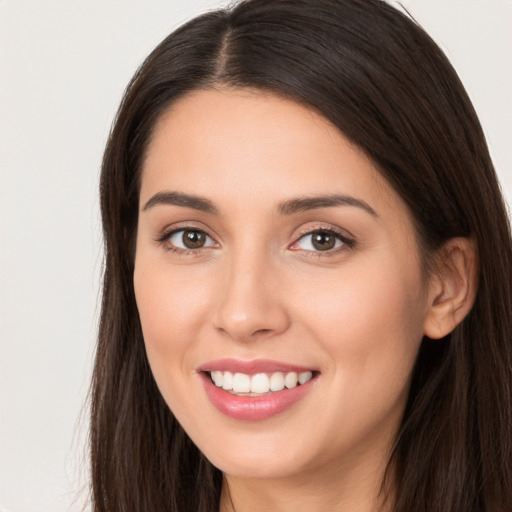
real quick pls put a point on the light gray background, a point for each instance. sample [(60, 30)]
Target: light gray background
[(63, 67)]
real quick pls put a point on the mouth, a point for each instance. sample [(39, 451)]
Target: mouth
[(255, 390), (259, 384)]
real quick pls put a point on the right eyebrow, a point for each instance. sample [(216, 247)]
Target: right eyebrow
[(179, 199)]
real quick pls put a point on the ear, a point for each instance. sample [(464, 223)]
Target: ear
[(452, 287)]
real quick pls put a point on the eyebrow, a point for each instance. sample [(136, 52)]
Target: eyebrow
[(289, 207), (302, 204), (179, 199)]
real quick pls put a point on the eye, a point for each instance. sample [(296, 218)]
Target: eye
[(321, 240), (188, 239)]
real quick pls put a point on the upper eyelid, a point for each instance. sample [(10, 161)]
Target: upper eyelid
[(326, 227), (165, 236), (348, 240), (345, 239), (169, 230), (166, 240)]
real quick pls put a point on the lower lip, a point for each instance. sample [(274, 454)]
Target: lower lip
[(253, 408)]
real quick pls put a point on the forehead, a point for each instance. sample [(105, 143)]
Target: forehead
[(255, 148)]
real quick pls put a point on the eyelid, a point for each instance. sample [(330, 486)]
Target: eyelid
[(347, 239), (164, 236), (176, 232)]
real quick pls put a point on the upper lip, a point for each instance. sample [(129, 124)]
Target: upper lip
[(252, 366)]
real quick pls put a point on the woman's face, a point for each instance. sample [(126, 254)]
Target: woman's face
[(272, 253)]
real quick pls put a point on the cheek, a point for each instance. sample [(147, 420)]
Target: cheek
[(369, 318), (369, 322), (169, 297), (170, 307), (171, 304)]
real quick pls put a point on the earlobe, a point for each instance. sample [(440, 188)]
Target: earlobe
[(453, 286)]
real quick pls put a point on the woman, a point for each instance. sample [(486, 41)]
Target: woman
[(307, 290)]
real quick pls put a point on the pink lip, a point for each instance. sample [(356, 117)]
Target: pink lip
[(253, 408), (251, 367)]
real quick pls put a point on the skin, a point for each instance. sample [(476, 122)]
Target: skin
[(258, 289)]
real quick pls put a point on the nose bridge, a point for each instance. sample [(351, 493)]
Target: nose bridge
[(248, 306)]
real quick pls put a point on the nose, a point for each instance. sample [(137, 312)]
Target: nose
[(251, 305)]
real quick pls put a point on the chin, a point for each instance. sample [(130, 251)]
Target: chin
[(254, 467), (263, 459)]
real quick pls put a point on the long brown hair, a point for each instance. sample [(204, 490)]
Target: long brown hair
[(383, 82)]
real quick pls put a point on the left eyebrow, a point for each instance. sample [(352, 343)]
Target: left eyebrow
[(302, 204)]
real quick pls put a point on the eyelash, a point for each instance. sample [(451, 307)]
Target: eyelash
[(347, 243), (164, 238)]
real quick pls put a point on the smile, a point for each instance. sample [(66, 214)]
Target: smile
[(255, 390), (260, 383)]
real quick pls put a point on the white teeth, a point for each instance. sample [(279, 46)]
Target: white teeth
[(241, 383), (227, 380), (217, 378), (290, 381), (260, 383), (277, 381), (304, 377)]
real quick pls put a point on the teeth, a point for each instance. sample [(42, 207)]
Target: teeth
[(241, 383), (260, 383), (277, 381), (227, 380), (217, 378), (304, 377), (290, 381)]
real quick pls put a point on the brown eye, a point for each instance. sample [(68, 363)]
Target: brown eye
[(189, 239), (193, 239), (323, 241)]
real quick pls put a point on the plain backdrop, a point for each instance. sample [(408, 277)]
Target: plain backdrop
[(63, 67)]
